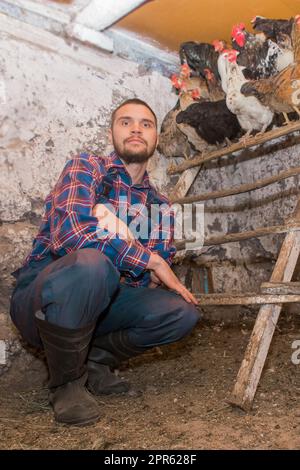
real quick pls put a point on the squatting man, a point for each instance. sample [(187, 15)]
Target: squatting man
[(91, 296)]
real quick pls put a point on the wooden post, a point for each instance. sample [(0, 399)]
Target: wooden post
[(259, 343)]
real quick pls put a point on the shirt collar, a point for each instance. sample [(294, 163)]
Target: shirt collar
[(114, 161)]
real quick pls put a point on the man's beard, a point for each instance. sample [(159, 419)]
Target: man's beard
[(132, 156)]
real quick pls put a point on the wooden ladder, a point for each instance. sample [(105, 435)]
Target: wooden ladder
[(261, 337)]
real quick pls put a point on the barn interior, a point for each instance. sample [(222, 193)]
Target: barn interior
[(64, 66)]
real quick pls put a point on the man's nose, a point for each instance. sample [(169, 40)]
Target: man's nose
[(136, 128)]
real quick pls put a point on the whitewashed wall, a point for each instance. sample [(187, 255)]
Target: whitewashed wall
[(56, 100)]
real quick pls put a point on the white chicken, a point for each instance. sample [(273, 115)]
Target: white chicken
[(251, 114)]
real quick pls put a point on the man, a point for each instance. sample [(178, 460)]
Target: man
[(85, 293)]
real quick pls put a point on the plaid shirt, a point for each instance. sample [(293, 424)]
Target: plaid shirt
[(68, 223)]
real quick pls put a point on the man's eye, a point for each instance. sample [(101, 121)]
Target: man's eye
[(125, 123), (147, 124)]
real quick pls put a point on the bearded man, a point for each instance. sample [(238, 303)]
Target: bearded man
[(94, 290)]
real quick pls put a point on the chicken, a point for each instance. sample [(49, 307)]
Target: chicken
[(195, 88), (212, 121), (177, 140), (280, 93), (261, 57), (276, 30), (199, 56), (295, 35), (279, 31), (214, 86), (251, 114), (172, 142), (190, 88)]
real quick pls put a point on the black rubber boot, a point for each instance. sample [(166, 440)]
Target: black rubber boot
[(105, 355), (66, 352)]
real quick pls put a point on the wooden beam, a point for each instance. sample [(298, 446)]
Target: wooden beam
[(240, 145), (259, 232), (181, 188), (259, 343), (244, 188), (239, 236), (101, 15), (184, 183), (245, 299), (280, 288)]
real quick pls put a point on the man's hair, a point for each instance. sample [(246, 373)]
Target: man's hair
[(132, 101)]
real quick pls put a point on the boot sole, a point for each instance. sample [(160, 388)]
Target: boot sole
[(109, 391), (82, 423)]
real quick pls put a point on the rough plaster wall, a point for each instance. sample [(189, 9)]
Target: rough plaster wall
[(239, 267), (55, 107)]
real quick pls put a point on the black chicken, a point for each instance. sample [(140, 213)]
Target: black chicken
[(273, 29), (212, 121), (199, 57)]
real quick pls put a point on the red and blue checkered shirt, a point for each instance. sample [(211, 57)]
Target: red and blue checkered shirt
[(68, 223)]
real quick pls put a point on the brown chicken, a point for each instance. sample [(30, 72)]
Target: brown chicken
[(280, 93), (193, 89), (214, 86), (172, 142), (296, 38)]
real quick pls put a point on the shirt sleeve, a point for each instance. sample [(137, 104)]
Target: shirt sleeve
[(72, 225), (161, 239)]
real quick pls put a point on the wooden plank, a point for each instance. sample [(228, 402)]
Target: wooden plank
[(245, 299), (280, 288), (240, 145), (261, 337)]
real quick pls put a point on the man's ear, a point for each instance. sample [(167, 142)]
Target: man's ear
[(109, 135)]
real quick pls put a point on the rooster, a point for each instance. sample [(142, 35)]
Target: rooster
[(261, 57)]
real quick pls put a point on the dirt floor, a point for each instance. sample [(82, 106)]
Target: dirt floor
[(179, 400)]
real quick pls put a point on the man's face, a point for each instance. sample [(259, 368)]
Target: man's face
[(134, 133)]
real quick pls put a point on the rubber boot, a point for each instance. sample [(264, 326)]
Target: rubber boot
[(66, 352), (105, 355)]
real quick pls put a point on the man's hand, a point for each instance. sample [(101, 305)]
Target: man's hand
[(155, 282), (164, 273), (111, 222)]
